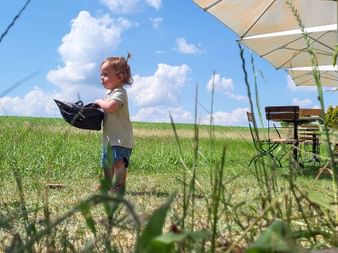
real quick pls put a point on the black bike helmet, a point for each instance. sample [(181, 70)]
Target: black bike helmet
[(88, 116)]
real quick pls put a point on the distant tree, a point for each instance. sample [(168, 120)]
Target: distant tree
[(332, 117)]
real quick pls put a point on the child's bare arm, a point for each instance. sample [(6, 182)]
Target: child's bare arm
[(108, 106)]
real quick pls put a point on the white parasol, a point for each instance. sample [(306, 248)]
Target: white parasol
[(304, 76), (288, 49), (270, 28)]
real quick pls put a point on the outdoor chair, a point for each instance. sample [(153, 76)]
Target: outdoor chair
[(309, 132), (309, 136), (288, 117), (264, 147)]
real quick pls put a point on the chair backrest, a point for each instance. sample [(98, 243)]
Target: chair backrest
[(250, 117), (252, 127), (282, 113), (307, 130), (309, 112)]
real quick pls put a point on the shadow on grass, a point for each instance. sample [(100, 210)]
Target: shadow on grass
[(312, 170), (157, 194)]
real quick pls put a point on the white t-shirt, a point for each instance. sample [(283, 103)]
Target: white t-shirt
[(117, 127)]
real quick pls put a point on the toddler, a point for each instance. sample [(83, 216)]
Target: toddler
[(117, 128)]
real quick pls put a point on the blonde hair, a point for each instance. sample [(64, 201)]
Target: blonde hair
[(121, 67)]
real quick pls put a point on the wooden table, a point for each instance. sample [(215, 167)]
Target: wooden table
[(296, 116)]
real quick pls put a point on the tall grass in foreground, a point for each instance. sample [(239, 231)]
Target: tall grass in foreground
[(202, 216), (290, 199), (328, 145), (37, 152), (279, 216)]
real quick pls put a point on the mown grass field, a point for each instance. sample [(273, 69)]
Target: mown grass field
[(37, 152)]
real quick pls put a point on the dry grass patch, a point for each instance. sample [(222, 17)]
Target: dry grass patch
[(189, 133)]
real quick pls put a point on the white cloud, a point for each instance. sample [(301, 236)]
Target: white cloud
[(184, 47), (223, 85), (293, 87), (162, 88), (122, 6), (88, 42), (34, 103), (238, 97), (40, 103), (156, 22), (235, 117), (161, 114), (301, 102), (154, 3), (91, 39), (130, 6)]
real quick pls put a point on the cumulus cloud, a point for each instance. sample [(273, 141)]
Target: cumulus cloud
[(162, 88), (91, 39), (156, 22), (34, 103), (301, 102), (186, 48), (154, 3), (235, 117), (82, 49), (40, 103), (122, 6), (130, 6), (161, 114), (88, 42), (223, 85)]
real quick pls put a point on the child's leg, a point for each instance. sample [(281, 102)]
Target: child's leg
[(121, 157), (120, 172), (108, 171), (108, 175)]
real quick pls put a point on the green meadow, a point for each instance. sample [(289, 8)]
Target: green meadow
[(200, 173)]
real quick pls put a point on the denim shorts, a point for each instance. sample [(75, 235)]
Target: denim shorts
[(118, 153)]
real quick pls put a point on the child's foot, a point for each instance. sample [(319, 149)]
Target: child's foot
[(97, 187), (119, 188)]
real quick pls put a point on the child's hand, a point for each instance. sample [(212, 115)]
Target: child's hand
[(108, 106), (98, 102)]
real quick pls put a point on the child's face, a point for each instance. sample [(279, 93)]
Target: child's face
[(109, 78)]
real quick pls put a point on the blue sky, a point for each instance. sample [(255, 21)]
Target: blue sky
[(175, 47)]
